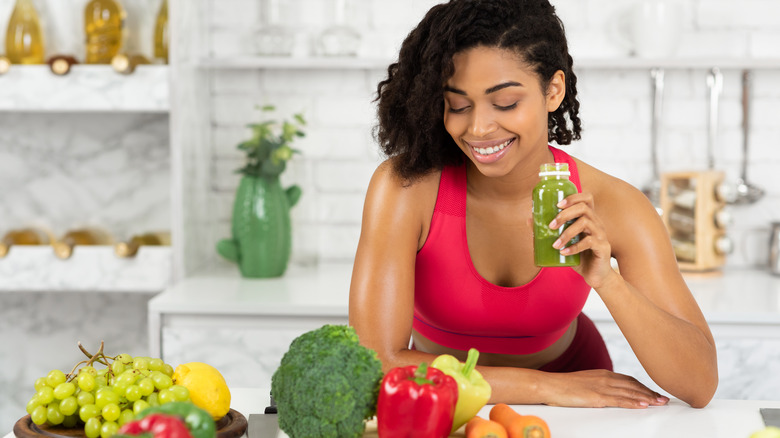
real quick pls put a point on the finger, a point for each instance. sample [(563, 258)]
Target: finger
[(585, 198)]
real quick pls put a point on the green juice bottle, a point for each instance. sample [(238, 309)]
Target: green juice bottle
[(553, 186)]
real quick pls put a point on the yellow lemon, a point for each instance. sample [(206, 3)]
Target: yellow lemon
[(208, 389)]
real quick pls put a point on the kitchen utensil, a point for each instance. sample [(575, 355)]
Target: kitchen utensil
[(771, 416), (653, 189), (774, 249), (747, 193), (263, 426), (715, 85)]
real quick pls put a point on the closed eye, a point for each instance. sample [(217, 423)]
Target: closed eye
[(458, 110), (506, 108)]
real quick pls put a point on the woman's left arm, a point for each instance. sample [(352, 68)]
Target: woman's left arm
[(648, 299)]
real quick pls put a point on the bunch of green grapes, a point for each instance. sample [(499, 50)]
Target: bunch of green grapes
[(102, 400)]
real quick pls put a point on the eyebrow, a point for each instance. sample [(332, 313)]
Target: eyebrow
[(492, 89)]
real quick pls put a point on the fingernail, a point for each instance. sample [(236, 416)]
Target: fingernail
[(561, 204), (565, 251), (644, 404), (557, 243), (554, 224), (662, 399)]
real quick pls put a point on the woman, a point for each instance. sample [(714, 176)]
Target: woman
[(445, 257)]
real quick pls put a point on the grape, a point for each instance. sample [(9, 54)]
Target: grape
[(64, 390), (126, 416), (117, 368), (105, 396), (146, 385), (109, 429), (40, 383), (140, 363), (32, 404), (180, 393), (85, 398), (166, 396), (168, 370), (161, 381), (88, 411), (133, 393), (127, 378), (55, 377), (111, 412), (54, 415), (87, 369), (70, 421), (69, 406), (139, 406), (153, 399), (92, 427), (39, 414), (86, 381), (45, 395), (124, 358), (156, 364)]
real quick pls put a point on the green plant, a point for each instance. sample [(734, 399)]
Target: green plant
[(327, 384), (269, 148)]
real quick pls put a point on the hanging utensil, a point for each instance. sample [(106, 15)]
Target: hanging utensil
[(653, 189), (715, 85), (747, 193), (725, 192)]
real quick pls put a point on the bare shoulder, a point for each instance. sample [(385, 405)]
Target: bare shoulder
[(630, 218), (403, 204)]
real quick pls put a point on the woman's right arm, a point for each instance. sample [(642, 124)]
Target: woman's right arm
[(381, 298), (381, 304)]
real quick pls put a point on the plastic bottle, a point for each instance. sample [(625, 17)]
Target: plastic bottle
[(553, 187)]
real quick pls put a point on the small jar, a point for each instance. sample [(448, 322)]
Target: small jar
[(552, 188)]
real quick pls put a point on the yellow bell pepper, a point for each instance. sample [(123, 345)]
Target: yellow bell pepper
[(473, 390)]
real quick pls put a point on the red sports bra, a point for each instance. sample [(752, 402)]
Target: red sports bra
[(457, 308)]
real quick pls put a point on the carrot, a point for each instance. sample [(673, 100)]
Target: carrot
[(479, 427), (519, 426)]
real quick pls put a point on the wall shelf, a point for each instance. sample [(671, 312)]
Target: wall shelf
[(87, 88), (612, 63), (90, 269)]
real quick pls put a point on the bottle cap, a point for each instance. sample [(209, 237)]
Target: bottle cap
[(554, 169), (63, 250)]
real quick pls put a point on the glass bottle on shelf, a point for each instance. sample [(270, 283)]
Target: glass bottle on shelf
[(130, 247), (161, 34), (339, 39), (104, 25), (63, 247), (23, 236), (273, 38), (24, 37)]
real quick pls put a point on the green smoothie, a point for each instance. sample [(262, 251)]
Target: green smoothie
[(553, 186)]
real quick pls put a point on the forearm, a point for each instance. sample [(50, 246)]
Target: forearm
[(676, 354)]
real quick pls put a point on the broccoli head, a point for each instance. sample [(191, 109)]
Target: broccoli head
[(327, 384)]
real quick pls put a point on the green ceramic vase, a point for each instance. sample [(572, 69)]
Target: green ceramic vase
[(261, 227)]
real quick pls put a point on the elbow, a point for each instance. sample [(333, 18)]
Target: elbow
[(704, 394)]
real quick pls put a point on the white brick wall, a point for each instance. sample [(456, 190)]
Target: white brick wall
[(339, 153)]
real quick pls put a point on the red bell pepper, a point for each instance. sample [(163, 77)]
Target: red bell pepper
[(416, 402), (159, 425)]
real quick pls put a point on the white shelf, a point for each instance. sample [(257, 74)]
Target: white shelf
[(90, 269), (614, 63), (87, 88)]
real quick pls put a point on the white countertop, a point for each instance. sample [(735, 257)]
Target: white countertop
[(748, 296), (721, 419)]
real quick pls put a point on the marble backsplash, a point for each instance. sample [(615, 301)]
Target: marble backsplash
[(85, 169), (40, 332)]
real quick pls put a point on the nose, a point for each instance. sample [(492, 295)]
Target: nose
[(482, 122)]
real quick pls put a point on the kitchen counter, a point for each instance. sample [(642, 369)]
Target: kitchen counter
[(721, 419), (244, 326)]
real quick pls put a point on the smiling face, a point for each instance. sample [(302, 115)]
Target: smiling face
[(495, 108)]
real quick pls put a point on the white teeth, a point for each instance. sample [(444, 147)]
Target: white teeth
[(494, 149)]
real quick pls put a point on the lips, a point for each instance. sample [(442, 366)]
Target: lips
[(489, 152)]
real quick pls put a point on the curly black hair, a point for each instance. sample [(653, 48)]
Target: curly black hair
[(410, 100)]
